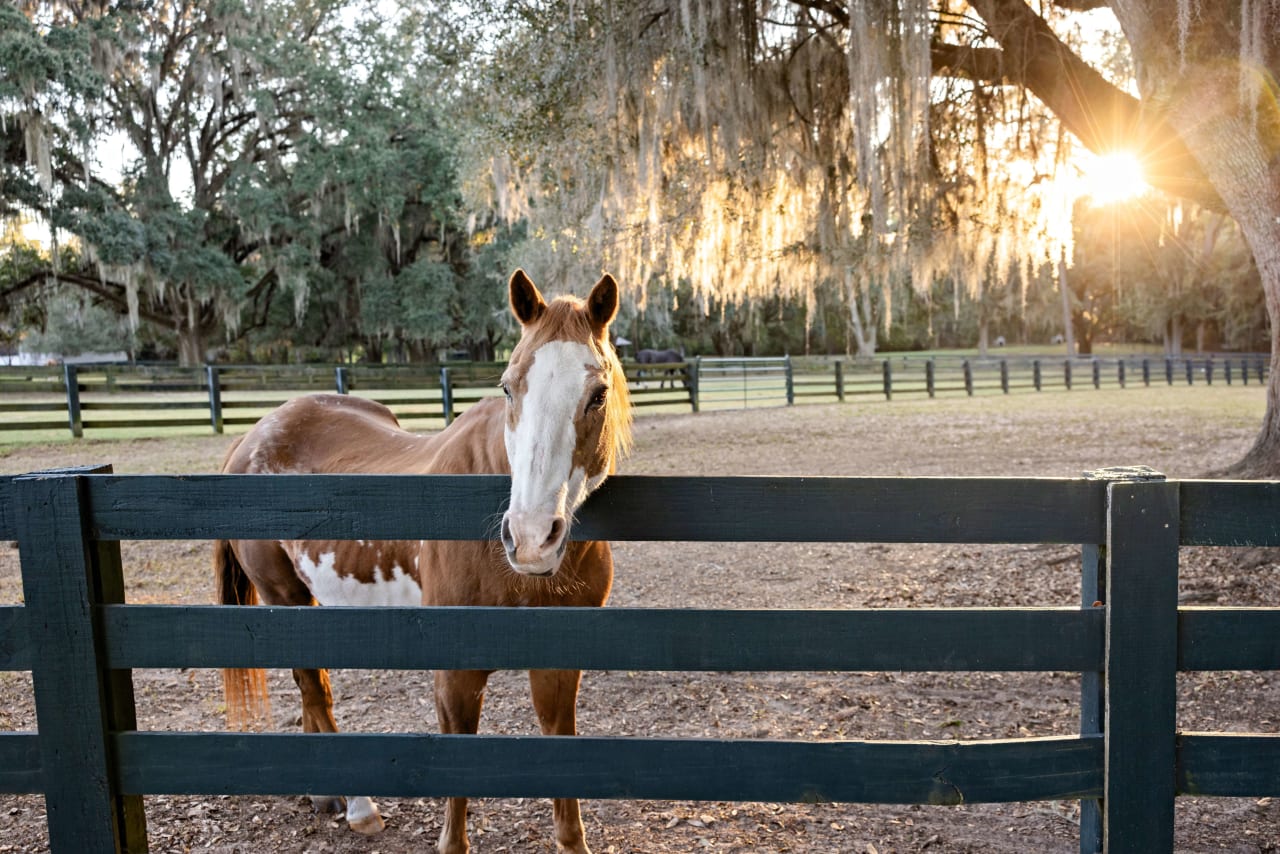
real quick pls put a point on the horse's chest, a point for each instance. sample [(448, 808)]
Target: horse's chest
[(359, 573)]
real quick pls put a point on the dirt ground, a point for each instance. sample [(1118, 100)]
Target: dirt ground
[(1178, 431)]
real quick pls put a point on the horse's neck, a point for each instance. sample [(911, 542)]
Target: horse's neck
[(472, 444)]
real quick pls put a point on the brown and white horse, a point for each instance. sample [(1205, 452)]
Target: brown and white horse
[(565, 421)]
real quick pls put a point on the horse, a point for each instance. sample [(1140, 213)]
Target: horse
[(559, 431), (661, 357)]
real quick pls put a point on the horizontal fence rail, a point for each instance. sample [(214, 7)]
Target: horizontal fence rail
[(122, 397), (626, 507), (1128, 638)]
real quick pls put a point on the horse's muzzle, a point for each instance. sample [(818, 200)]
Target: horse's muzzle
[(534, 542)]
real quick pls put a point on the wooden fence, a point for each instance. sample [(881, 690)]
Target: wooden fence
[(1128, 638), (429, 397)]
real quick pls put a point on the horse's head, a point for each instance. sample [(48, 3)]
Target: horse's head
[(568, 417)]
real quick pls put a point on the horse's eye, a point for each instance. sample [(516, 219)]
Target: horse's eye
[(598, 400), (506, 389)]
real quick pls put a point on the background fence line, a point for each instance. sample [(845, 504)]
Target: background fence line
[(1126, 765), (80, 398)]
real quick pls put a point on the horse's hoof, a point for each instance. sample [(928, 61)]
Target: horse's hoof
[(368, 825), (326, 805), (362, 816)]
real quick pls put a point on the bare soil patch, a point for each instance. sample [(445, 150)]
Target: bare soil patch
[(1178, 431)]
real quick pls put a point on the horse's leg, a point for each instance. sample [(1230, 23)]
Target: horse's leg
[(459, 696), (317, 716), (555, 699), (278, 583)]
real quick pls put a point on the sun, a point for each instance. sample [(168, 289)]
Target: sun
[(1112, 178)]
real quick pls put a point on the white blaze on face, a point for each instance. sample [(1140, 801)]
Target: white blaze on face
[(540, 448)]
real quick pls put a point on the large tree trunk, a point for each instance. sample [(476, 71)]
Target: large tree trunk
[(863, 328), (191, 349), (1199, 90)]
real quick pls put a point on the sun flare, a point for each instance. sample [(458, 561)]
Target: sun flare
[(1112, 178)]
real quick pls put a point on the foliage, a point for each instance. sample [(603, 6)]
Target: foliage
[(76, 324), (268, 153), (1155, 270)]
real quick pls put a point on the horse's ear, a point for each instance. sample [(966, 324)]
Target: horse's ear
[(527, 303), (602, 304)]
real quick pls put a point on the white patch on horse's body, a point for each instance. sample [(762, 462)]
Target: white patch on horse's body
[(331, 587)]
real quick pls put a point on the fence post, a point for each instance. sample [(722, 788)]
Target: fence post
[(839, 381), (1141, 663), (1066, 373), (1004, 375), (1190, 370), (72, 382), (1168, 369), (1208, 371), (888, 381), (1096, 368), (968, 377), (1035, 373), (1226, 370), (695, 369), (928, 377), (78, 701), (1093, 591), (446, 396), (215, 396), (791, 382), (342, 379), (1146, 372), (1120, 372)]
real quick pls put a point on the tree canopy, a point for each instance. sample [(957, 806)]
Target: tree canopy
[(216, 167), (282, 175), (756, 148)]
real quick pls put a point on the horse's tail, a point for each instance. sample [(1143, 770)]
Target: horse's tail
[(245, 689)]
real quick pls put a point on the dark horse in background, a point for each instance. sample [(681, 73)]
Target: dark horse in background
[(662, 357), (565, 421)]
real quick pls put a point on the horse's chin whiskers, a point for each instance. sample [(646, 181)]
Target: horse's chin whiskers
[(493, 526)]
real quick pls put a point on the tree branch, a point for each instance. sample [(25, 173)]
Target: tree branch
[(112, 293), (1102, 116)]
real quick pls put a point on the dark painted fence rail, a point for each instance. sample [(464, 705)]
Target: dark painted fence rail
[(1128, 638), (82, 398)]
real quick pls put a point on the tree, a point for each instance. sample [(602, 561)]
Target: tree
[(744, 145), (269, 153)]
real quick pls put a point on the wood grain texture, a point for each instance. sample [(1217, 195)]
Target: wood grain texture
[(540, 766), (1229, 765), (8, 508), (1093, 589), (1141, 665), (1230, 513), (15, 638), (69, 683), (605, 639), (742, 509), (1229, 639), (20, 769)]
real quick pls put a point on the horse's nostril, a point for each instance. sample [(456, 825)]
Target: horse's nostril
[(557, 530), (507, 541)]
